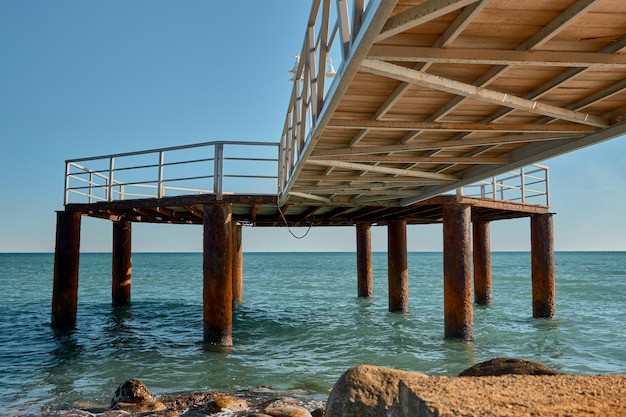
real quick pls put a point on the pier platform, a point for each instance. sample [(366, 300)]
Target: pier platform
[(401, 113)]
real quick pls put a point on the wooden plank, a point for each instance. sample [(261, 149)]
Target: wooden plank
[(408, 159), (386, 69), (459, 127), (400, 53), (380, 169), (422, 146), (420, 14), (309, 196)]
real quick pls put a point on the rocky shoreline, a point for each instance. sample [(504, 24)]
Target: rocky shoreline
[(499, 387)]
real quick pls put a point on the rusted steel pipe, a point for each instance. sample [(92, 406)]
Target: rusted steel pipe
[(237, 265), (364, 260), (122, 262), (217, 270), (66, 260), (542, 253), (457, 283), (398, 270), (482, 263)]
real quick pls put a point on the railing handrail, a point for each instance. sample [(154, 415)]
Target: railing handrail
[(530, 182), (325, 42), (172, 148), (523, 192), (105, 184)]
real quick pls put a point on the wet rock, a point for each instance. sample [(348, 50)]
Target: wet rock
[(228, 402), (368, 391), (287, 411), (319, 412), (508, 366), (140, 407), (131, 391)]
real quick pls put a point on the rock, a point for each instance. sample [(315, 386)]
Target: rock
[(131, 391), (320, 412), (229, 402), (140, 407), (367, 391), (508, 366), (287, 411)]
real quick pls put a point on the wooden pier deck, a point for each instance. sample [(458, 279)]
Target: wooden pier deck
[(429, 97), (263, 211), (432, 95)]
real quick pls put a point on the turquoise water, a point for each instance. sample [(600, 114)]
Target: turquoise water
[(300, 325)]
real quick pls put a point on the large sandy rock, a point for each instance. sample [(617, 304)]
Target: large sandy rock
[(369, 391), (366, 390), (508, 366)]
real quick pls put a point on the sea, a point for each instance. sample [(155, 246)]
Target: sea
[(299, 327)]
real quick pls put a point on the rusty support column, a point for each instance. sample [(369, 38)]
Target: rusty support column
[(217, 269), (398, 270), (66, 260), (364, 260), (122, 263), (237, 265), (542, 252), (482, 263), (457, 276)]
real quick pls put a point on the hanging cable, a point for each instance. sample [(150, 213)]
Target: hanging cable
[(289, 228)]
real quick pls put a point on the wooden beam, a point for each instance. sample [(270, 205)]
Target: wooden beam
[(460, 127), (365, 191), (415, 16), (381, 169), (309, 196), (454, 30), (436, 82), (422, 146), (399, 53), (561, 22), (374, 180), (417, 159)]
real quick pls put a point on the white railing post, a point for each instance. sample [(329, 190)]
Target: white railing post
[(66, 199), (160, 180), (314, 75), (344, 27), (90, 194), (523, 185), (110, 184), (547, 173), (358, 13), (494, 188), (218, 170)]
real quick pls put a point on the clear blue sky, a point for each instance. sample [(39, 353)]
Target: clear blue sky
[(84, 78)]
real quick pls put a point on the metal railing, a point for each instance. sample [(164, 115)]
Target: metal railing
[(527, 185), (210, 167), (328, 38), (227, 167)]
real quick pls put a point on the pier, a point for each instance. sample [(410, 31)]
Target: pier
[(401, 113)]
